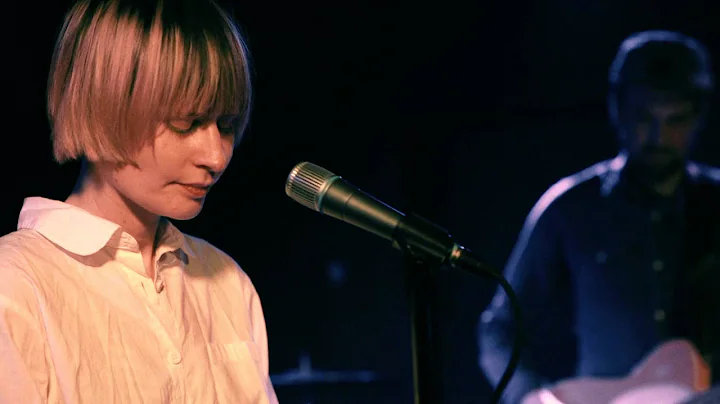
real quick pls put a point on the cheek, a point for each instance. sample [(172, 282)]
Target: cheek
[(635, 135), (681, 133), (143, 181), (676, 136), (152, 192), (229, 154), (641, 132), (163, 166), (134, 185)]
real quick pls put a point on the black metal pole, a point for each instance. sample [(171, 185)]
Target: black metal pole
[(422, 297)]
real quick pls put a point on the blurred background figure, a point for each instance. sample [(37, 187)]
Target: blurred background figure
[(616, 259)]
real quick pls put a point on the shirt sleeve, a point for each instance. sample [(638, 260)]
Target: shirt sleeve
[(24, 370), (537, 273)]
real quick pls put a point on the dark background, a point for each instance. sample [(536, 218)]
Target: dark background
[(464, 112)]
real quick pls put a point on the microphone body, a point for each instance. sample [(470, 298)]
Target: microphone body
[(323, 191), (343, 201)]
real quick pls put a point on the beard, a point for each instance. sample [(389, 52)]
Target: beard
[(654, 165)]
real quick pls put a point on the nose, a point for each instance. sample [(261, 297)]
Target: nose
[(214, 149)]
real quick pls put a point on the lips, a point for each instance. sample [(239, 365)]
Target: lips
[(196, 191)]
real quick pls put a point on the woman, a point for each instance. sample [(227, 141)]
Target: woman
[(102, 299)]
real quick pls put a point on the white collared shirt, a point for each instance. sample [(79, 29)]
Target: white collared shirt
[(81, 322)]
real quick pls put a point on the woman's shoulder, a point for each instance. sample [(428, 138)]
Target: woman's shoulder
[(22, 253), (21, 248), (212, 260)]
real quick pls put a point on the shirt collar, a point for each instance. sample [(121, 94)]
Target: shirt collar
[(610, 174), (82, 233)]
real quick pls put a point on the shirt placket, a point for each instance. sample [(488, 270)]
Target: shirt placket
[(166, 327), (665, 242)]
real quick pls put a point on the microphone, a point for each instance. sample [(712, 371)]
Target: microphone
[(323, 191)]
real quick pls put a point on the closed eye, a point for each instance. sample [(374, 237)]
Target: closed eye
[(228, 124)]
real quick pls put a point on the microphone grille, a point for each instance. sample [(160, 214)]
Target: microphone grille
[(306, 184)]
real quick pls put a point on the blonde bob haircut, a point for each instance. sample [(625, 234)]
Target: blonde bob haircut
[(122, 67)]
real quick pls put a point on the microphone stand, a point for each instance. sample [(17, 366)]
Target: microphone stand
[(426, 249), (421, 272), (420, 276)]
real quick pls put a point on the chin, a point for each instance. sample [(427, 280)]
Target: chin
[(184, 213), (662, 172)]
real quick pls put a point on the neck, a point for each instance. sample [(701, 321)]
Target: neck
[(664, 182), (98, 197), (665, 187)]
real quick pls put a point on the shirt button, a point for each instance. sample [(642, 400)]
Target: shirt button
[(658, 265), (659, 315), (174, 358)]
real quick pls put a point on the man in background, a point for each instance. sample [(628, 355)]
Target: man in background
[(614, 260)]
